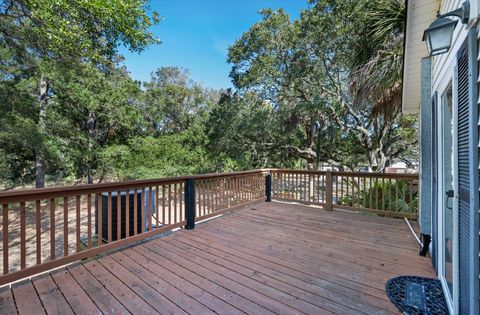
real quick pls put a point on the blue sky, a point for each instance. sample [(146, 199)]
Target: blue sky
[(196, 34)]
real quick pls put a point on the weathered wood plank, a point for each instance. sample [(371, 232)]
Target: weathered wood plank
[(76, 297), (7, 303), (102, 298), (270, 258), (118, 289), (52, 299), (26, 298)]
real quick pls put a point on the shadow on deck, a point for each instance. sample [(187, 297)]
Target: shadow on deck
[(262, 259)]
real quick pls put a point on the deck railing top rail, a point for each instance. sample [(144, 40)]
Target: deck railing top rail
[(345, 173), (29, 194)]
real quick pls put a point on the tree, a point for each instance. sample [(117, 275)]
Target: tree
[(303, 67), (173, 102), (43, 34)]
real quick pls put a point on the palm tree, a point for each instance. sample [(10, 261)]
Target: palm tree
[(376, 76)]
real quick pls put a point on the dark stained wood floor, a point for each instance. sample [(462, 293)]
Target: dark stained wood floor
[(264, 259)]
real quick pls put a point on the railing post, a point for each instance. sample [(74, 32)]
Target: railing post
[(268, 187), (190, 203), (329, 191)]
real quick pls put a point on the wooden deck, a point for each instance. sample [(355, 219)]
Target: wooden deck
[(269, 258)]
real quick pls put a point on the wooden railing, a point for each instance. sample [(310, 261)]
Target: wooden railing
[(393, 195), (46, 228)]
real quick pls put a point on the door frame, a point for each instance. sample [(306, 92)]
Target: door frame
[(449, 80)]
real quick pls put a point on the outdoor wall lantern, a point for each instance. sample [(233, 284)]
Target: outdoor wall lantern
[(439, 34)]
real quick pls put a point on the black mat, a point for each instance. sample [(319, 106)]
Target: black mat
[(417, 295)]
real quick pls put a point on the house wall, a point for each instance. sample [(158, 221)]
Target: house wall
[(441, 63), (440, 72), (477, 233)]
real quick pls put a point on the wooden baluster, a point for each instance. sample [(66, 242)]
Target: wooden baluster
[(227, 195), (383, 193), (307, 187), (180, 202), (163, 206), (336, 188), (211, 195), (65, 226), (341, 192), (358, 183), (243, 188), (52, 229), (234, 190), (150, 208), (353, 191), (275, 183), (135, 212), (396, 195), (157, 212), (175, 203), (77, 228), (370, 193), (224, 194), (5, 238), (38, 228), (169, 204), (326, 185), (297, 189), (204, 197), (142, 207), (347, 183), (119, 214), (109, 217), (100, 219), (89, 220), (413, 210), (403, 195), (365, 192), (280, 187), (198, 199), (358, 191), (239, 190), (23, 237), (376, 193), (292, 185), (214, 195), (328, 191), (389, 194), (127, 213), (303, 187)]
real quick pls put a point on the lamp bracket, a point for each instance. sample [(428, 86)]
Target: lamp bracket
[(463, 13)]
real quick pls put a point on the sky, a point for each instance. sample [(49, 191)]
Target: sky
[(195, 35)]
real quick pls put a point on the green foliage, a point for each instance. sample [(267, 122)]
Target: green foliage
[(396, 196), (89, 29), (295, 104), (307, 71)]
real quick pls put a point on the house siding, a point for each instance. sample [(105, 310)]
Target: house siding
[(467, 144), (477, 233)]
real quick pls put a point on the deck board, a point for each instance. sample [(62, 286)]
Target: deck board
[(269, 258), (7, 303)]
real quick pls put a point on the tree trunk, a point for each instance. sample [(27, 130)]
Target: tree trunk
[(40, 154)]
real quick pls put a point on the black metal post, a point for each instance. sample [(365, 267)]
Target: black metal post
[(190, 203), (268, 187)]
